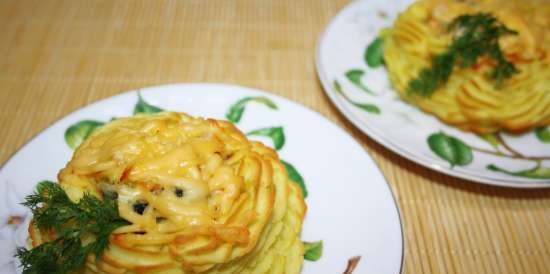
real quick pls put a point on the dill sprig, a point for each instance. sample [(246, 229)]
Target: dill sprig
[(476, 35), (81, 228)]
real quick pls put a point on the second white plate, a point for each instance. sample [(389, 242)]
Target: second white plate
[(365, 96)]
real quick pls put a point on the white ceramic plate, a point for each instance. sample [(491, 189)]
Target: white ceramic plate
[(350, 206), (502, 159)]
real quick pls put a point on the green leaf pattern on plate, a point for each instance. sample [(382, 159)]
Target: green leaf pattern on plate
[(313, 251), (236, 110), (450, 149), (276, 134), (364, 106), (538, 172), (374, 54), (78, 132), (491, 139), (456, 152), (543, 134), (295, 176), (144, 107), (355, 76)]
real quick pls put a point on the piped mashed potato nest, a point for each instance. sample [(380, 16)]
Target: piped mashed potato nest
[(200, 198), (469, 100)]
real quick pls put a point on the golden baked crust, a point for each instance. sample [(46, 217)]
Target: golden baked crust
[(469, 100), (200, 197)]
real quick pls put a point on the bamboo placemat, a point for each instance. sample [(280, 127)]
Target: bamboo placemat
[(57, 56)]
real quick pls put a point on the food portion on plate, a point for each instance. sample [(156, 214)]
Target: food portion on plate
[(483, 66), (167, 193)]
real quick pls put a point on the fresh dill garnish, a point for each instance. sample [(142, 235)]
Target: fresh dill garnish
[(475, 36), (74, 224)]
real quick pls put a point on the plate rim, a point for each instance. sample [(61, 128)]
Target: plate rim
[(368, 131), (250, 89)]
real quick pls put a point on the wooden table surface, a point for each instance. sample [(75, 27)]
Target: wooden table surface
[(57, 56)]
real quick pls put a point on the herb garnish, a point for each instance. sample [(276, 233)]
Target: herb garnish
[(476, 35), (81, 228)]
